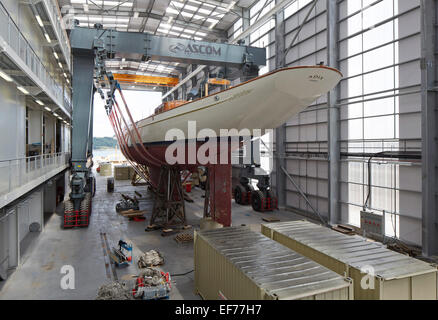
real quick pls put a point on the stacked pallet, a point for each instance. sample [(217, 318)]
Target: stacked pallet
[(122, 172), (377, 273), (106, 169)]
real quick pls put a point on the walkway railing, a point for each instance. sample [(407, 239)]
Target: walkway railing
[(17, 172), (55, 18), (19, 44)]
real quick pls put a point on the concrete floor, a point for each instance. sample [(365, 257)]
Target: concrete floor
[(39, 274)]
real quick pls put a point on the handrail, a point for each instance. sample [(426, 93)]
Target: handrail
[(32, 60), (15, 173), (53, 6), (40, 155)]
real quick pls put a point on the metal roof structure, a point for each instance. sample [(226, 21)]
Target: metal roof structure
[(206, 20)]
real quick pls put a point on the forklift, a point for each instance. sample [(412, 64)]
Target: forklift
[(263, 199)]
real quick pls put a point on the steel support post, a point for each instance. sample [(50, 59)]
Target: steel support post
[(82, 109), (219, 177), (91, 132), (280, 133), (334, 131), (82, 126), (429, 129), (246, 23)]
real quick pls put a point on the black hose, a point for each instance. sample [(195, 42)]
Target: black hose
[(182, 274), (369, 175)]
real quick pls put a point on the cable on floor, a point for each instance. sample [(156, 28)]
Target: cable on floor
[(182, 274)]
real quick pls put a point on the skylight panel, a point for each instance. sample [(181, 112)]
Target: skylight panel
[(186, 14), (171, 10), (165, 25), (204, 11), (176, 4), (189, 7)]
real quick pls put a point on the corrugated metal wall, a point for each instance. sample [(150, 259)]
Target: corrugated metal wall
[(380, 48), (306, 134), (380, 106)]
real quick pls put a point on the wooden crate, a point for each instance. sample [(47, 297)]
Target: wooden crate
[(106, 169), (122, 172)]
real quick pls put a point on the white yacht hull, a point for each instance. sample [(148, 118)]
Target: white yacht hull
[(263, 103)]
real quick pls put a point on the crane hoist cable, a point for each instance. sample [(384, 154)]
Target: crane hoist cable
[(123, 132), (128, 131), (133, 140), (134, 126), (126, 153), (116, 127)]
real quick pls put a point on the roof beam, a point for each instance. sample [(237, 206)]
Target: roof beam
[(220, 34), (149, 63), (262, 20), (136, 71), (223, 5)]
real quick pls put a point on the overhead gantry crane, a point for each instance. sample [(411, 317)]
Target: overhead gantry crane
[(91, 47)]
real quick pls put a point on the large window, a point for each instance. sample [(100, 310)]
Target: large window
[(380, 111)]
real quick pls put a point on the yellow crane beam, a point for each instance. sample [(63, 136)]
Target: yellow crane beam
[(146, 80), (218, 81)]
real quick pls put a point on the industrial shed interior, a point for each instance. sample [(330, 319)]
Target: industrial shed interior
[(335, 182)]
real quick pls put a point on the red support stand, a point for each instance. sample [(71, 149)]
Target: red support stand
[(219, 177)]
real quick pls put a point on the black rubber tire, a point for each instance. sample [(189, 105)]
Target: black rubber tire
[(68, 206), (256, 200), (274, 199), (270, 194), (94, 187), (238, 194), (110, 185), (84, 217)]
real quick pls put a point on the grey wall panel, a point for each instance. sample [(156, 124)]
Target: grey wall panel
[(12, 121), (4, 245), (36, 208), (35, 126), (410, 229), (26, 22), (410, 126), (380, 109), (23, 219)]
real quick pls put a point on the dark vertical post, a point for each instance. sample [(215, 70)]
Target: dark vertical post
[(334, 132), (429, 122)]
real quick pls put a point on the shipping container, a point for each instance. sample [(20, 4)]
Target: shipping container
[(377, 272), (239, 264)]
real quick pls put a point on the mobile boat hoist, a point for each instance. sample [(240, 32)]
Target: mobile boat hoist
[(90, 48)]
